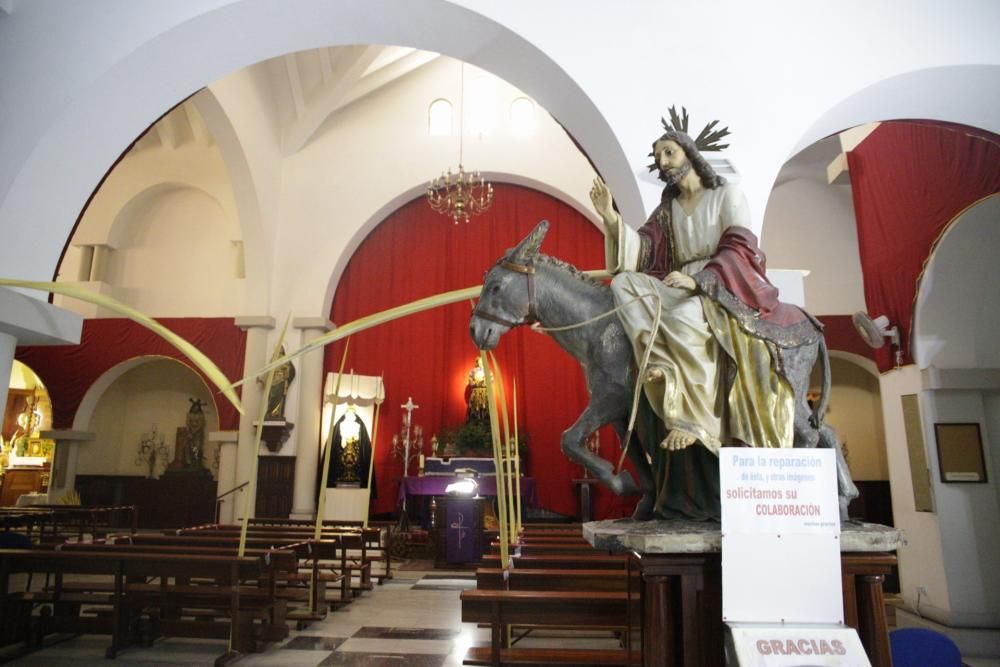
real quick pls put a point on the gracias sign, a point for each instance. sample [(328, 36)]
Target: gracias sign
[(793, 644), (802, 646)]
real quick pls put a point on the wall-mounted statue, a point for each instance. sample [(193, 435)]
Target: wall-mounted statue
[(188, 451), (284, 375)]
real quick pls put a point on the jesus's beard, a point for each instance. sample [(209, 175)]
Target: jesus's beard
[(675, 176)]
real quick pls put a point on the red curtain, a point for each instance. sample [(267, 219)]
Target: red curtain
[(417, 253), (68, 371), (909, 180)]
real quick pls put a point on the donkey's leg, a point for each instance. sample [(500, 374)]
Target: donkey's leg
[(598, 413), (846, 490), (798, 363), (647, 485)]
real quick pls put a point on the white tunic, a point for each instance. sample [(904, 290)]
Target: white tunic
[(683, 347)]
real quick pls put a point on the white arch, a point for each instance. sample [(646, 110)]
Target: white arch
[(109, 111), (956, 312), (85, 411), (864, 363), (964, 94), (148, 193), (418, 190)]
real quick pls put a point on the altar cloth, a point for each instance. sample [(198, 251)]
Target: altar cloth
[(435, 485)]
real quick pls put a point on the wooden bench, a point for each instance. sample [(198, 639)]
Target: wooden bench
[(378, 536), (354, 557), (578, 609), (140, 608), (590, 561), (550, 549), (519, 579), (315, 558)]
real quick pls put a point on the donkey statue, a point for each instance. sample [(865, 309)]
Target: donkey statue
[(525, 287)]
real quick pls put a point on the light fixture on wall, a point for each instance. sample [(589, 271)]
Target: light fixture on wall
[(465, 194)]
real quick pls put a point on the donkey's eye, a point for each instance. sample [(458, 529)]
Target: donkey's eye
[(494, 288)]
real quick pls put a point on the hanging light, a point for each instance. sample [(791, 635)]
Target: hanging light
[(465, 194)]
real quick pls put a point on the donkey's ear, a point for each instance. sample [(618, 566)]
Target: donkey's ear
[(528, 247)]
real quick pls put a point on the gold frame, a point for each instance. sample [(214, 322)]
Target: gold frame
[(960, 453)]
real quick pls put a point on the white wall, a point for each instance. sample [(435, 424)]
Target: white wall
[(957, 313), (376, 155), (112, 67), (171, 214), (921, 558), (856, 414), (155, 392), (991, 411), (810, 225), (968, 516)]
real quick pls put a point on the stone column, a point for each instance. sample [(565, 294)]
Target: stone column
[(309, 418), (256, 357), (228, 443), (62, 477)]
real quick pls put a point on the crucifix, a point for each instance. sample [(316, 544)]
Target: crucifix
[(409, 442), (411, 435)]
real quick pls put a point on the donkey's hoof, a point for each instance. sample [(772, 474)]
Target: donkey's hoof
[(623, 484)]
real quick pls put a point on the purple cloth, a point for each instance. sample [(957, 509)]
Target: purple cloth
[(462, 533), (435, 486)]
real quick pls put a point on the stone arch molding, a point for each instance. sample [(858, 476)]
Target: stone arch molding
[(956, 312), (115, 104), (418, 190), (964, 94), (150, 194), (85, 411)]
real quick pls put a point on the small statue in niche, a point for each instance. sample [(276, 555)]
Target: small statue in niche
[(191, 439), (284, 375), (476, 401), (352, 451)]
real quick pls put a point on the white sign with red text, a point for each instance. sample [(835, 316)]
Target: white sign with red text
[(780, 536), (819, 646)]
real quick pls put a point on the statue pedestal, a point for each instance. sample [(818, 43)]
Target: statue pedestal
[(680, 567), (275, 433)]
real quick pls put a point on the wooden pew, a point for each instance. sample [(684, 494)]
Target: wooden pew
[(578, 609), (351, 541), (56, 523), (574, 562), (552, 529), (550, 549), (556, 579), (137, 605), (314, 553), (377, 543)]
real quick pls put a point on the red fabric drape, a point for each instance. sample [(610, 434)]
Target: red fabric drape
[(841, 335), (416, 253), (909, 180), (68, 371)]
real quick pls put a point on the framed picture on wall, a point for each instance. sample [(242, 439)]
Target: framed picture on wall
[(960, 453)]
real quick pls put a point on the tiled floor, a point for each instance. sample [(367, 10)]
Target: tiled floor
[(412, 620), (395, 625)]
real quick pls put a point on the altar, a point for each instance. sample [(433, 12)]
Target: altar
[(415, 493)]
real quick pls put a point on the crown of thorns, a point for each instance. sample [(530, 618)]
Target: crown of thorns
[(707, 140)]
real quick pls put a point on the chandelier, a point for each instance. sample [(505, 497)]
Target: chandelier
[(465, 194)]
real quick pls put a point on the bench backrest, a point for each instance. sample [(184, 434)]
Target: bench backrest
[(563, 561), (552, 580)]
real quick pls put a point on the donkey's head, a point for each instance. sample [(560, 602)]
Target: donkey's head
[(508, 296)]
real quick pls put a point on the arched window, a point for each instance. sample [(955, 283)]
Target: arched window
[(439, 118)]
